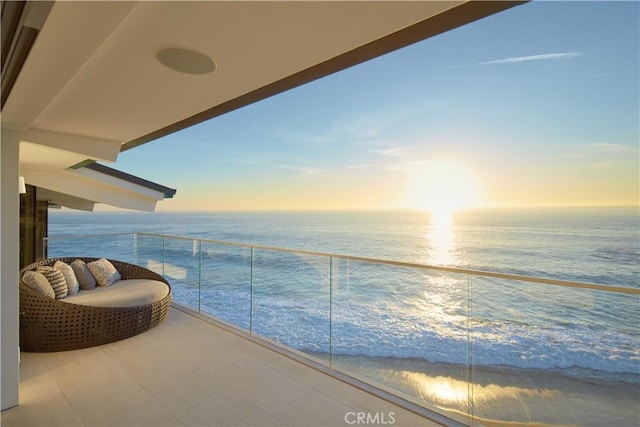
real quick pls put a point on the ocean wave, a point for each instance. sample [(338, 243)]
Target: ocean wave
[(625, 255), (359, 328)]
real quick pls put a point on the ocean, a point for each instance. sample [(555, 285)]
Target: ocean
[(403, 313)]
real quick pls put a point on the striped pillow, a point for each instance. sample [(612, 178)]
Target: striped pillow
[(72, 281), (56, 280)]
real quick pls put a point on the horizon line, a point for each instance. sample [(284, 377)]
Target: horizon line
[(353, 209)]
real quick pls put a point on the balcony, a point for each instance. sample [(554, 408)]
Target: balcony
[(461, 346), (187, 372)]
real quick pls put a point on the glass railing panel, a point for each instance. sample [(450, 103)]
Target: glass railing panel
[(182, 269), (112, 246), (226, 283), (291, 300), (404, 329), (149, 252), (554, 355)]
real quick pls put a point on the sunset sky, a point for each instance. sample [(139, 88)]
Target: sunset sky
[(538, 105)]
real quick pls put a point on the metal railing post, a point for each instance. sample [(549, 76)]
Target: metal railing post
[(330, 311), (199, 276), (251, 295), (135, 249), (164, 256)]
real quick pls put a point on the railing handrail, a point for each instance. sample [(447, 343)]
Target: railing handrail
[(482, 273), (88, 236)]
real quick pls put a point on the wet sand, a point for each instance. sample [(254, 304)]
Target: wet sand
[(505, 397)]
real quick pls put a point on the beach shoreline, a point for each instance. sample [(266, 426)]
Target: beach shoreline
[(502, 396)]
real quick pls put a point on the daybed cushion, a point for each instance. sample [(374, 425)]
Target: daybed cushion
[(72, 281), (38, 283), (56, 280), (86, 279), (104, 272), (123, 293)]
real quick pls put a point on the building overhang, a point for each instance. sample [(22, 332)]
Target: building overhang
[(49, 161), (82, 188)]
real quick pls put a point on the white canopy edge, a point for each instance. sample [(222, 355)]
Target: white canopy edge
[(93, 187)]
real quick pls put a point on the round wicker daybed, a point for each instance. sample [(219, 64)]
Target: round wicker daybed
[(48, 325)]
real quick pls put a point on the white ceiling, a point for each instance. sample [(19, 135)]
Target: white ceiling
[(92, 74), (93, 70)]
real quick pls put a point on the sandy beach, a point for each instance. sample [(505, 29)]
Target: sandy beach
[(505, 397)]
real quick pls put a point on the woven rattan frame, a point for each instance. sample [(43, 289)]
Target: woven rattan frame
[(53, 325)]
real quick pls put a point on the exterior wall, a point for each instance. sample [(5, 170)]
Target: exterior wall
[(9, 267)]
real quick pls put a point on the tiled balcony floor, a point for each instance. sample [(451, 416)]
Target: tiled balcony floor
[(186, 372)]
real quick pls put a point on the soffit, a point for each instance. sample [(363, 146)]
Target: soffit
[(58, 200), (36, 156), (93, 72)]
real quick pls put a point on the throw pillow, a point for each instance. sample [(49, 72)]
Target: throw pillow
[(56, 280), (85, 278), (38, 283), (104, 272), (69, 276)]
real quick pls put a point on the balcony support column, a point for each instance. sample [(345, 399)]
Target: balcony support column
[(9, 267)]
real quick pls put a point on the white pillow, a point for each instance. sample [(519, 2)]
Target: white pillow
[(38, 283), (84, 276), (104, 272), (69, 275)]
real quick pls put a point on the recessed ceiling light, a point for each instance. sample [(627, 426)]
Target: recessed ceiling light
[(186, 61)]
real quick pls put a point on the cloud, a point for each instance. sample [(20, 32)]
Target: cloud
[(602, 165), (247, 160), (301, 170), (610, 147), (598, 150), (369, 165), (542, 57), (407, 166), (377, 122), (304, 137), (392, 151), (519, 59), (367, 126)]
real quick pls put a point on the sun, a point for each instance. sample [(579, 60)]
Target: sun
[(441, 187)]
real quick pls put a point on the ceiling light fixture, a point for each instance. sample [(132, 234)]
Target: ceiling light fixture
[(186, 61)]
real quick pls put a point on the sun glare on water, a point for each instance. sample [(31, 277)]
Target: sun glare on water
[(441, 187)]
